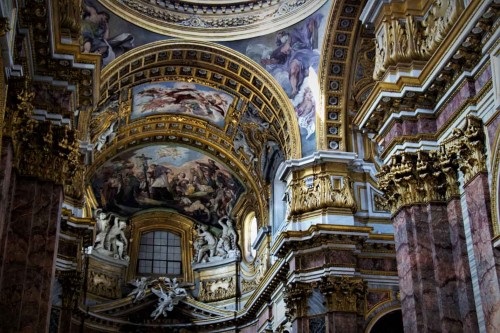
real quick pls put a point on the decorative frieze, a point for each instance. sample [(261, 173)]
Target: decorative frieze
[(344, 294), (405, 38), (217, 289), (430, 176), (306, 196), (295, 297)]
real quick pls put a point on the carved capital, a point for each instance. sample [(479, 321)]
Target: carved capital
[(344, 294), (469, 146), (41, 149), (413, 178), (71, 282), (295, 296)]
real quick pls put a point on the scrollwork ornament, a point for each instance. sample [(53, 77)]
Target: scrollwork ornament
[(295, 297)]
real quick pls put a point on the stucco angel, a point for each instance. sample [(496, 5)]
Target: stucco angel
[(165, 302), (141, 286)]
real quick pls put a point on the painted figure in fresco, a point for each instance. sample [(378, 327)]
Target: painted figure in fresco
[(96, 35), (183, 98), (295, 53), (190, 183), (160, 186), (306, 112)]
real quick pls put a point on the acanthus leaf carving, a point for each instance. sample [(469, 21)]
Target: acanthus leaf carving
[(344, 294)]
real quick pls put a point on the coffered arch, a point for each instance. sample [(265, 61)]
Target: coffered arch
[(259, 112), (206, 64)]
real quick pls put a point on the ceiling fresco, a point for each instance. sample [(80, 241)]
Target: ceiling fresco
[(291, 56), (181, 98), (166, 176)]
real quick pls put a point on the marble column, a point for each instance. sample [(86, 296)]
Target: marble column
[(29, 255), (478, 207), (430, 285), (407, 271)]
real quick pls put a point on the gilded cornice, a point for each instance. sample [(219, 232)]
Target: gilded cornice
[(318, 235), (466, 57), (214, 20)]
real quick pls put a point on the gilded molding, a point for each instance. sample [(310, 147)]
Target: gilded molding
[(295, 296), (344, 294)]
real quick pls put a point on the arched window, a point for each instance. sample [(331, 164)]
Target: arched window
[(160, 253), (251, 229)]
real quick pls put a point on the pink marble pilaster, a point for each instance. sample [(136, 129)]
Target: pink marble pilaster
[(478, 207), (444, 269), (407, 272), (426, 282), (342, 322), (461, 266)]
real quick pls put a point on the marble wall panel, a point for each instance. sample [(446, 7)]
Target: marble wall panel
[(478, 208)]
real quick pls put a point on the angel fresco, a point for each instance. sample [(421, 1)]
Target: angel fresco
[(165, 176), (291, 62), (96, 34), (181, 98)]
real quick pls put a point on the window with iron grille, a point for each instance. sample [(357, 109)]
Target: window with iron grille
[(160, 254)]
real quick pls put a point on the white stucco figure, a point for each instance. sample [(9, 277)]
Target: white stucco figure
[(102, 221), (206, 244), (141, 286), (168, 298), (229, 238)]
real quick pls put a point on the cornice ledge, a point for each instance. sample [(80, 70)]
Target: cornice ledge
[(317, 157)]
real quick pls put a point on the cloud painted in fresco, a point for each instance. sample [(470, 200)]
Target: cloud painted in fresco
[(181, 98)]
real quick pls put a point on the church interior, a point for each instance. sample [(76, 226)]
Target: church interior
[(250, 166)]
